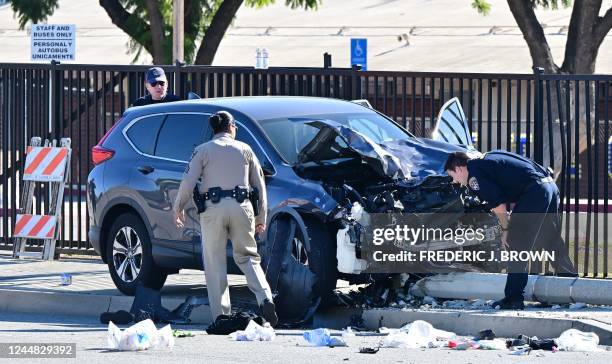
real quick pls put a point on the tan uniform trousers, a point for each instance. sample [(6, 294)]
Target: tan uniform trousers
[(230, 220)]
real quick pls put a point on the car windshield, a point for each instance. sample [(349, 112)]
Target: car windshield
[(290, 134)]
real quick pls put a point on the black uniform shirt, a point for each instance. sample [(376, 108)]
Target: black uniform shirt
[(501, 177), (147, 100)]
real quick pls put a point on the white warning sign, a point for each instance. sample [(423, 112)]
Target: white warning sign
[(53, 42)]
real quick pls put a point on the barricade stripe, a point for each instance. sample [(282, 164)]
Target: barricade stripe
[(43, 221), (48, 229), (21, 222), (56, 161), (37, 159), (51, 232), (30, 225), (45, 162)]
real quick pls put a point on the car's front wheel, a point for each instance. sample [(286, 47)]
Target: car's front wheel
[(300, 266), (129, 256)]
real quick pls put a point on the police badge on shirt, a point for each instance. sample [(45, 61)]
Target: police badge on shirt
[(473, 183)]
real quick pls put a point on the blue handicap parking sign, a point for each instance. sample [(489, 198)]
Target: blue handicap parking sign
[(359, 52)]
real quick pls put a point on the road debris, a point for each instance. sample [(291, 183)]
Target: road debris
[(182, 333), (141, 336), (254, 332), (418, 334), (322, 337), (366, 350), (348, 332), (576, 340)]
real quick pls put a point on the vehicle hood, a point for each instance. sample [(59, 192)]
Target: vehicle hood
[(397, 159)]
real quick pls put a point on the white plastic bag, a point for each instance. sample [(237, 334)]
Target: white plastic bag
[(348, 332), (576, 340), (254, 332), (418, 334), (141, 336), (495, 344)]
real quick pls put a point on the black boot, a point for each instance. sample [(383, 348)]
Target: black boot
[(120, 317), (507, 303), (268, 311)]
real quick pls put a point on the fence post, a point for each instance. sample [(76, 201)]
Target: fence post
[(538, 129), (355, 82), (178, 79), (55, 120)]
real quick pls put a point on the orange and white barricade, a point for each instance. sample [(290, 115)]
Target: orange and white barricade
[(50, 164)]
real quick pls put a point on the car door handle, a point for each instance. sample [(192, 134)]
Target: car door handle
[(146, 169)]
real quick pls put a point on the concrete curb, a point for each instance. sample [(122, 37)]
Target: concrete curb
[(84, 305), (468, 323), (462, 323)]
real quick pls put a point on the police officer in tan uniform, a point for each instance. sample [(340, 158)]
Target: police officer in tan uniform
[(227, 169)]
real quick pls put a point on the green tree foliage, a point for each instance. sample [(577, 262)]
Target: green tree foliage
[(33, 10), (586, 31), (148, 23)]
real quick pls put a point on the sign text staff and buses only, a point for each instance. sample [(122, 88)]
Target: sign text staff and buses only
[(53, 42)]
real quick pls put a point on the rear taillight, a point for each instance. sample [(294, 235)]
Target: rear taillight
[(100, 154)]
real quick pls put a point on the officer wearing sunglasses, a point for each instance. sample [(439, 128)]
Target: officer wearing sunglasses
[(157, 87)]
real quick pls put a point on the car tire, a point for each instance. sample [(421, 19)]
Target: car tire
[(132, 267), (297, 293)]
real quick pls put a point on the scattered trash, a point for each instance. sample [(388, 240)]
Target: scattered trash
[(336, 342), (225, 325), (348, 332), (182, 333), (495, 344), (577, 306), (66, 279), (418, 334), (141, 336), (522, 350), (576, 340), (460, 345), (318, 337), (429, 300), (254, 332), (533, 342), (485, 335), (322, 337), (366, 350)]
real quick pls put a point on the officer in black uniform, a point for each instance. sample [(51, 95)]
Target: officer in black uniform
[(501, 178)]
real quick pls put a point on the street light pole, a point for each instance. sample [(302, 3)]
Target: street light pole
[(178, 29)]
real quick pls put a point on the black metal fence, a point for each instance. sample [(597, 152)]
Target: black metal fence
[(559, 120)]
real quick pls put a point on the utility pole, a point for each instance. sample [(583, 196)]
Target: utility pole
[(178, 30)]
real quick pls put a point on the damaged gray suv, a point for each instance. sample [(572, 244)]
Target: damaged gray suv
[(324, 160)]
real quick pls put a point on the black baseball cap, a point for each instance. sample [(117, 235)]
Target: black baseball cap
[(155, 74)]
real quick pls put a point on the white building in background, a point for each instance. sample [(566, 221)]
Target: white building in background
[(403, 35)]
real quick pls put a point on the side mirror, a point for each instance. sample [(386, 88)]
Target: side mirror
[(268, 170)]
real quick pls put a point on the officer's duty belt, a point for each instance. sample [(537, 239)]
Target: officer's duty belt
[(214, 194)]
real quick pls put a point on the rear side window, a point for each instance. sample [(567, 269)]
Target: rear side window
[(144, 132), (244, 136), (179, 135)]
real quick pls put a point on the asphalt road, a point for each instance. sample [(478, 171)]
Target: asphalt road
[(289, 346)]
